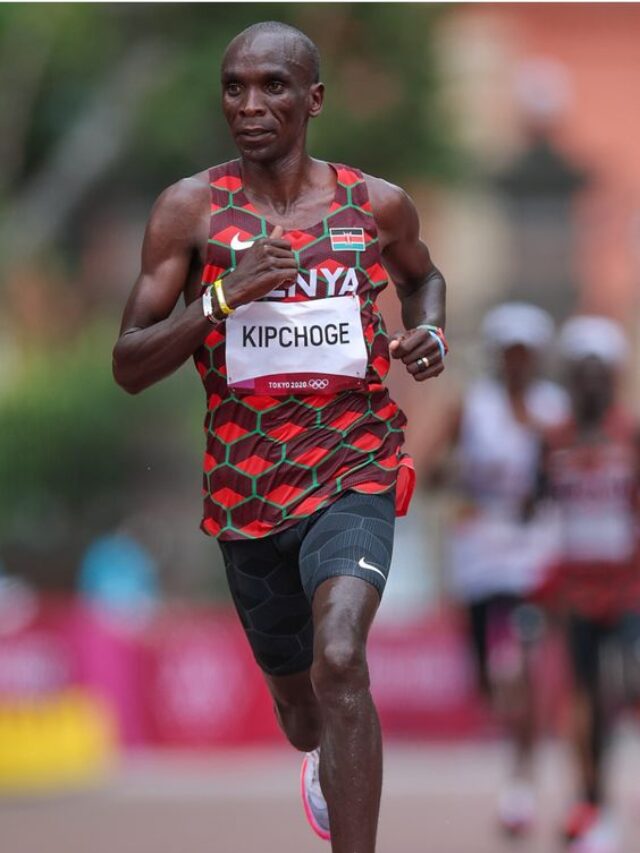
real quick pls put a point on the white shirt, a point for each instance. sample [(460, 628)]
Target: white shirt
[(493, 551)]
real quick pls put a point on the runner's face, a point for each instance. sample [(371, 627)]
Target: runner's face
[(592, 385), (518, 364), (267, 98)]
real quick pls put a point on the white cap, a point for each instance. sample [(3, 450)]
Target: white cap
[(591, 335), (515, 323)]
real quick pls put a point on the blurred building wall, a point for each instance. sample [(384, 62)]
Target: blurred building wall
[(512, 73), (485, 49)]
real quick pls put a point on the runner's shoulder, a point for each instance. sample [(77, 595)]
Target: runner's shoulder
[(388, 201), (186, 195), (622, 423), (181, 206)]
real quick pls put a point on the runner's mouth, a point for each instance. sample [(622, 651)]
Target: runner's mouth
[(255, 134)]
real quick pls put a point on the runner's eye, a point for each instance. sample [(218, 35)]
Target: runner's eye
[(275, 87), (232, 89)]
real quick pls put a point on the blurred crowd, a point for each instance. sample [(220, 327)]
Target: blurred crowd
[(544, 536)]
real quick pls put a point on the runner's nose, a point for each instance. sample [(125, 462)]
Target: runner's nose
[(252, 104)]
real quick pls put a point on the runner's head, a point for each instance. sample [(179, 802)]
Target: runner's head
[(594, 350), (516, 333), (270, 89)]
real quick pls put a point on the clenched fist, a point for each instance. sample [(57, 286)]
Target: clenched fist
[(419, 352), (268, 264)]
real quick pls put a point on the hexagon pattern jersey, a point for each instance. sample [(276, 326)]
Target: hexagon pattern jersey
[(271, 461)]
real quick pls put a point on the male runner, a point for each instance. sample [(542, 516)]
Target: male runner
[(591, 468), (494, 553), (279, 258)]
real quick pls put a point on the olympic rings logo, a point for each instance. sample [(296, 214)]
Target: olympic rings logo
[(318, 384)]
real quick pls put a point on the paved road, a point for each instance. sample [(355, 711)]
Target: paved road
[(437, 799)]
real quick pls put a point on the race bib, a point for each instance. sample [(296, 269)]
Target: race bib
[(311, 347)]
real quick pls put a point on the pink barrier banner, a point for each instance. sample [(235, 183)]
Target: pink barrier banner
[(49, 644), (185, 677), (38, 650), (422, 678), (201, 686)]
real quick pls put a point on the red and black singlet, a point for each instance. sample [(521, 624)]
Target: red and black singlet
[(272, 460), (594, 484)]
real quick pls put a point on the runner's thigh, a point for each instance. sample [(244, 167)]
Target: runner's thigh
[(352, 537), (264, 581)]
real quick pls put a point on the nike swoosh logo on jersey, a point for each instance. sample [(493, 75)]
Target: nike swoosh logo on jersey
[(364, 565), (237, 243)]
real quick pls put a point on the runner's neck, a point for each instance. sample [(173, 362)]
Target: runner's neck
[(278, 190)]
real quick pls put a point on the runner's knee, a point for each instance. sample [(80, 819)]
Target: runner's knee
[(339, 669)]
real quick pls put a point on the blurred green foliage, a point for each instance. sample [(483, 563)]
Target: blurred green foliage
[(382, 95), (70, 437), (60, 432)]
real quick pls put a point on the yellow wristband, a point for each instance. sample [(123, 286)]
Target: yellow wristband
[(222, 302)]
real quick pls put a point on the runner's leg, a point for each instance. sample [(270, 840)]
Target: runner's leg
[(477, 617), (344, 563), (510, 676), (297, 709), (515, 688), (341, 558), (585, 638), (264, 580), (351, 747)]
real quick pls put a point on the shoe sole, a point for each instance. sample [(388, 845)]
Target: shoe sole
[(313, 823)]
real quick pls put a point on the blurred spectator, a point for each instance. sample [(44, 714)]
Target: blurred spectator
[(119, 576), (494, 554), (591, 466)]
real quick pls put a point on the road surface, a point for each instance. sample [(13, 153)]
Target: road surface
[(437, 799)]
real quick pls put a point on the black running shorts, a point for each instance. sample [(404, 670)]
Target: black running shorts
[(586, 639), (273, 580)]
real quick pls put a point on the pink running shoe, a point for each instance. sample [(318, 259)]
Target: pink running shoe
[(315, 805), (603, 837), (582, 818)]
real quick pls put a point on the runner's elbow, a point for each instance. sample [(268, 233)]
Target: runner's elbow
[(126, 382), (122, 372)]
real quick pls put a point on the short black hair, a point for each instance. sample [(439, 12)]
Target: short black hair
[(307, 45)]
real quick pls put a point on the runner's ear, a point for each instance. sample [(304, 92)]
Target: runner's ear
[(277, 232)]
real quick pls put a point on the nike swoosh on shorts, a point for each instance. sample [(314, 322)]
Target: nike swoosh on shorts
[(364, 565), (237, 243)]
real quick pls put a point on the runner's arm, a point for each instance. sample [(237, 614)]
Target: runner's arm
[(152, 344), (541, 487), (440, 457), (420, 285), (636, 497)]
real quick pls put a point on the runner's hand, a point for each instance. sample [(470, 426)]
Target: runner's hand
[(265, 266), (415, 344)]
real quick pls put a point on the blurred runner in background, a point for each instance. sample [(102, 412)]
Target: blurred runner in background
[(590, 467), (493, 553)]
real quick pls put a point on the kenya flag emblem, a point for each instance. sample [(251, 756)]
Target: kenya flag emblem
[(347, 239)]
